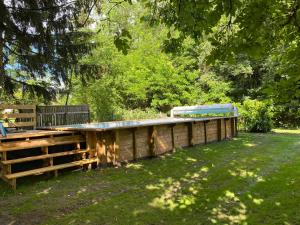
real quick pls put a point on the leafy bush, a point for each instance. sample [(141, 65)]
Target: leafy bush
[(287, 116), (138, 114), (256, 116)]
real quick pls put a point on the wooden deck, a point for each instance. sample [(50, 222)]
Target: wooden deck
[(37, 151)]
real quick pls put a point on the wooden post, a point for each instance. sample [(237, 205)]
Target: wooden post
[(151, 140), (116, 147), (232, 127), (13, 183), (191, 133), (101, 149), (225, 127), (46, 162), (91, 141), (236, 126), (219, 127), (205, 132), (35, 116), (173, 137), (88, 147), (6, 168), (134, 153)]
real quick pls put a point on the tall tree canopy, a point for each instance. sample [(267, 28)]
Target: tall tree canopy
[(257, 28), (40, 41)]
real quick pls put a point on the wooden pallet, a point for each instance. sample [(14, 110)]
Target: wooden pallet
[(49, 145)]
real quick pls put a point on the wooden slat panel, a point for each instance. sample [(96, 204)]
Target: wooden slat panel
[(163, 142), (34, 133), (62, 115), (6, 106), (19, 145), (181, 135), (19, 124), (142, 145), (17, 115), (49, 168), (45, 156)]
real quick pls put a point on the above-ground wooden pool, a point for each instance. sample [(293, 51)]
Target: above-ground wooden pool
[(124, 141), (107, 143)]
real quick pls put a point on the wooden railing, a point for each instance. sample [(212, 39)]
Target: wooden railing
[(18, 116)]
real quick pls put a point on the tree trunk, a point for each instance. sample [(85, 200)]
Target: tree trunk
[(2, 72)]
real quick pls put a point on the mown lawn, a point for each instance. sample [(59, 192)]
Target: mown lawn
[(254, 179)]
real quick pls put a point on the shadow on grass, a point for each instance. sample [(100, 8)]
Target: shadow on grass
[(247, 180)]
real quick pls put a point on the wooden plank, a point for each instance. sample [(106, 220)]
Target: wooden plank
[(17, 115), (35, 143), (45, 156), (181, 135), (19, 124), (49, 168), (7, 106), (34, 133), (142, 142)]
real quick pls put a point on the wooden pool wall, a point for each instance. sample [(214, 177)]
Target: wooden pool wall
[(124, 145)]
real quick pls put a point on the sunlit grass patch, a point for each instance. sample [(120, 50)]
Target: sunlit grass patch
[(253, 179)]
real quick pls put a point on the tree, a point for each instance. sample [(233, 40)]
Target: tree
[(256, 28), (41, 41)]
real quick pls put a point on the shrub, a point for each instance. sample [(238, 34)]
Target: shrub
[(287, 116), (138, 114), (256, 116)]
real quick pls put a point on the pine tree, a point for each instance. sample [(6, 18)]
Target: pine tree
[(42, 40)]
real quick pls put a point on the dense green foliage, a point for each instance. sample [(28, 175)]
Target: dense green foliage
[(256, 116), (146, 77), (149, 56), (253, 179), (260, 29)]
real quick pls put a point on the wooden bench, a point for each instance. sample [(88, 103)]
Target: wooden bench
[(40, 142)]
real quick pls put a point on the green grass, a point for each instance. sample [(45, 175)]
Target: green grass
[(253, 179)]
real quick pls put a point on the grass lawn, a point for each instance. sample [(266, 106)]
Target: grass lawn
[(254, 179)]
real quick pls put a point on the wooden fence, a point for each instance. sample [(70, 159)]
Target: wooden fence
[(32, 116), (62, 115)]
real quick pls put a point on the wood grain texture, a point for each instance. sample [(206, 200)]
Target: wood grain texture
[(181, 135), (27, 144)]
